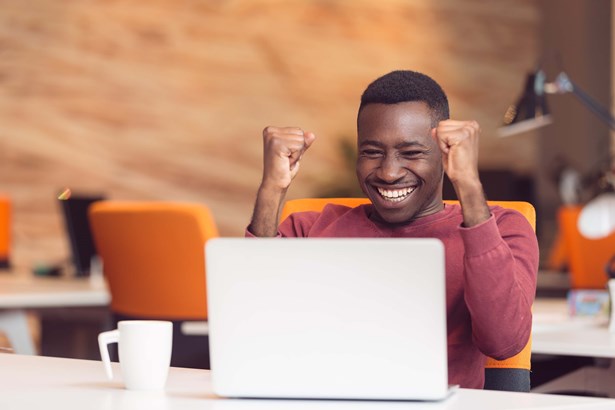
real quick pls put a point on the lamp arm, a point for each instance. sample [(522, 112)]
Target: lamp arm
[(563, 84), (593, 106)]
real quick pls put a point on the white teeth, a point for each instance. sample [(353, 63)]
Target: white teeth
[(395, 195)]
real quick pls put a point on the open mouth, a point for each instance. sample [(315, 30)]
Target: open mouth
[(395, 195)]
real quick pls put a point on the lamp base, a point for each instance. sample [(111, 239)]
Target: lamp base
[(524, 126)]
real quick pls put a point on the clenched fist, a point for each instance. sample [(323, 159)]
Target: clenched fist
[(283, 149), (458, 141)]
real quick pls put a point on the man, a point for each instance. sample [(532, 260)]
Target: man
[(406, 142)]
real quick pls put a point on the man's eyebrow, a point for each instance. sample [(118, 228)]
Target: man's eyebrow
[(411, 144), (372, 142), (401, 145)]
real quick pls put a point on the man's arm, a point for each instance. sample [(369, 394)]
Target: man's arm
[(283, 148), (501, 265), (501, 257)]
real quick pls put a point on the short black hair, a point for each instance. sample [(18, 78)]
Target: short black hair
[(405, 86)]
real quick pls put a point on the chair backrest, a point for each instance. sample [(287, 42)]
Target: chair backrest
[(5, 231), (510, 374), (153, 257), (586, 258), (317, 204)]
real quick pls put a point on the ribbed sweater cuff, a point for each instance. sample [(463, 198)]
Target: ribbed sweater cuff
[(481, 238)]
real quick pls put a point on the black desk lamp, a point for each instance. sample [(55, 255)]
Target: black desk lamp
[(597, 218), (531, 109)]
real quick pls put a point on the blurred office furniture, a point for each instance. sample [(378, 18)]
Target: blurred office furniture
[(556, 332), (586, 258), (75, 214), (21, 292), (5, 232), (154, 261), (585, 254), (14, 325), (512, 374)]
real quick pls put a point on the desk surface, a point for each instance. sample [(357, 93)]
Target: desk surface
[(27, 291), (53, 383), (555, 332)]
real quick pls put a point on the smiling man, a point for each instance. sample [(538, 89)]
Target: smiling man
[(406, 142)]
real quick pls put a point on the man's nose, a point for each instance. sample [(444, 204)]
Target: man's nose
[(390, 170)]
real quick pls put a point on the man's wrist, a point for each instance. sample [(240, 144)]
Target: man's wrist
[(271, 190), (269, 200), (469, 189), (473, 203)]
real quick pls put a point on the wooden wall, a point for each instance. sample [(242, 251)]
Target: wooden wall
[(166, 99)]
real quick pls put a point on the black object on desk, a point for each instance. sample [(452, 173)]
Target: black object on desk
[(75, 212), (610, 268)]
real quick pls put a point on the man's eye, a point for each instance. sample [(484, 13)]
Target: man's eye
[(411, 153), (371, 152)]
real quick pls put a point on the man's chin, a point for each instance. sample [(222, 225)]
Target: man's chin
[(386, 216)]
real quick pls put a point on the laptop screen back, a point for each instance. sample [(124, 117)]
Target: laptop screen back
[(327, 318)]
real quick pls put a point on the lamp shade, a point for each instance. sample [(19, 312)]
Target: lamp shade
[(597, 219), (530, 111)]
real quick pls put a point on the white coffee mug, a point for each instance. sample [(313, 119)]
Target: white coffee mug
[(144, 350)]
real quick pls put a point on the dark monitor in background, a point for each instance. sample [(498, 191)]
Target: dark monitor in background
[(75, 213)]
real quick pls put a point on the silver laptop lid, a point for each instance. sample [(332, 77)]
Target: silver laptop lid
[(327, 318)]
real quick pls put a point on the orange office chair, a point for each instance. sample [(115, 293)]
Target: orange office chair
[(5, 231), (586, 258), (512, 374), (154, 262)]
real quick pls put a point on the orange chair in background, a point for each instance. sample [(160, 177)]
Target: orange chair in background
[(586, 258), (5, 232), (512, 374), (154, 262), (317, 204)]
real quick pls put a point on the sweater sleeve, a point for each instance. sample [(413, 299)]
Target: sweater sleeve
[(297, 225), (500, 268)]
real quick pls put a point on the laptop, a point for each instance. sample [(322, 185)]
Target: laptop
[(327, 318)]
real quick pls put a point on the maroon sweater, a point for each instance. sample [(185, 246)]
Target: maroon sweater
[(490, 276)]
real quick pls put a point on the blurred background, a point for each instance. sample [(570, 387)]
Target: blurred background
[(166, 99)]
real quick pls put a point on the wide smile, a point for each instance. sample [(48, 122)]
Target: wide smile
[(395, 195)]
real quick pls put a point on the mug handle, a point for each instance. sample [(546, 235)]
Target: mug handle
[(112, 336)]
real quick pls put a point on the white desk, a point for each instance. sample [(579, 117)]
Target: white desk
[(29, 292), (32, 382), (555, 332), (20, 292)]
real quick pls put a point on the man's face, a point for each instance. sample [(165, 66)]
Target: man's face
[(399, 165)]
